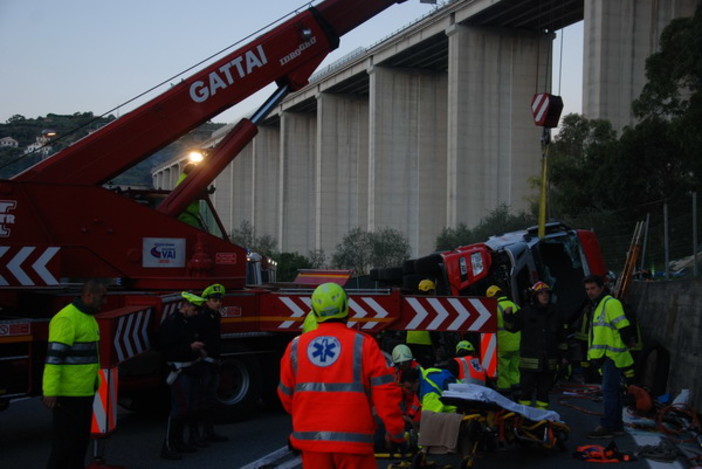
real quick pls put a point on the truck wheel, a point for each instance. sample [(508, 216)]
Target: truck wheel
[(239, 385)]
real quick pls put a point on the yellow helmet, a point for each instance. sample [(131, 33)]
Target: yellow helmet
[(493, 290), (192, 298), (215, 290), (466, 346), (329, 301), (401, 353), (426, 285)]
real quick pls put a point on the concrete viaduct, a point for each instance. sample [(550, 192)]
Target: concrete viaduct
[(432, 127)]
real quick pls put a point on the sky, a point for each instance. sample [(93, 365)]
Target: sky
[(93, 55)]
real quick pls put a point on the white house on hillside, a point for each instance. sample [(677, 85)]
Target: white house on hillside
[(8, 142)]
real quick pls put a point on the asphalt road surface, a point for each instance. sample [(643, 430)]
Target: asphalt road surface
[(259, 443), (25, 440)]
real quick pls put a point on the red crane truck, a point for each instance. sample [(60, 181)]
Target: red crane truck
[(61, 223)]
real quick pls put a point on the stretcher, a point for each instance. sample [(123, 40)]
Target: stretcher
[(489, 420)]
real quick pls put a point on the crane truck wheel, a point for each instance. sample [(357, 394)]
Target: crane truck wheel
[(239, 385)]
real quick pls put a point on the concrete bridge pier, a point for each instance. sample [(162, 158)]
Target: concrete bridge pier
[(341, 175), (407, 161), (493, 144), (297, 213), (619, 37)]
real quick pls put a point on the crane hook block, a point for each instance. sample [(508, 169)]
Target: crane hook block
[(546, 109)]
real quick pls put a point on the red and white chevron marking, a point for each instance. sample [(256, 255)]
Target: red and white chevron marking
[(298, 306), (131, 336), (360, 307), (446, 314), (488, 346), (366, 307), (27, 265), (417, 313)]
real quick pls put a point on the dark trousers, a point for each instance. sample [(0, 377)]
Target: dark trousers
[(536, 381), (184, 393), (71, 432), (612, 396)]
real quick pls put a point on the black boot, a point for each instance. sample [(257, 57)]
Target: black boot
[(195, 437), (210, 433), (168, 450), (178, 438)]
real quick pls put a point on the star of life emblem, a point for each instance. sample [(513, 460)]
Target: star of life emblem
[(324, 350)]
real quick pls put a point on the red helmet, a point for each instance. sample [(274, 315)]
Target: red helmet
[(540, 286)]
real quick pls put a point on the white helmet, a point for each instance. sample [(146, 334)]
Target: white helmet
[(401, 353)]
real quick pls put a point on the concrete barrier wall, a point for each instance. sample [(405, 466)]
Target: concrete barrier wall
[(670, 313)]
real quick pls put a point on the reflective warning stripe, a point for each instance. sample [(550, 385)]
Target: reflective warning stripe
[(488, 349), (104, 418)]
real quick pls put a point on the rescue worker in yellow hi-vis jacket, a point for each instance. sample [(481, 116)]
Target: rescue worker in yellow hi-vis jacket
[(508, 343), (610, 336), (71, 375)]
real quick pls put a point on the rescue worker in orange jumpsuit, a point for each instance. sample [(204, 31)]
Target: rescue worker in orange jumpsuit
[(402, 359), (411, 406), (465, 366), (332, 379)]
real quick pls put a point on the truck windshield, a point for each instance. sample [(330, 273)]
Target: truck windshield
[(210, 218)]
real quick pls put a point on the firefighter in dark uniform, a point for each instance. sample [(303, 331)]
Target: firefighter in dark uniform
[(543, 344), (209, 327), (183, 350)]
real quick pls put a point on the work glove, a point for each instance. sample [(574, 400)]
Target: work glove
[(396, 441), (629, 376)]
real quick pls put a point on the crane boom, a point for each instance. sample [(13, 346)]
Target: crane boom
[(287, 55)]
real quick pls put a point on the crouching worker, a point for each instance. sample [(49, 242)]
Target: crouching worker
[(439, 424), (428, 384), (410, 406), (466, 366), (182, 349), (331, 380)]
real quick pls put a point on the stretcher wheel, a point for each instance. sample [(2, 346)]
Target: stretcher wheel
[(467, 462), (561, 438), (419, 460)]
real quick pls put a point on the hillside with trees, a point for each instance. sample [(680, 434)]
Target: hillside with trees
[(70, 128)]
